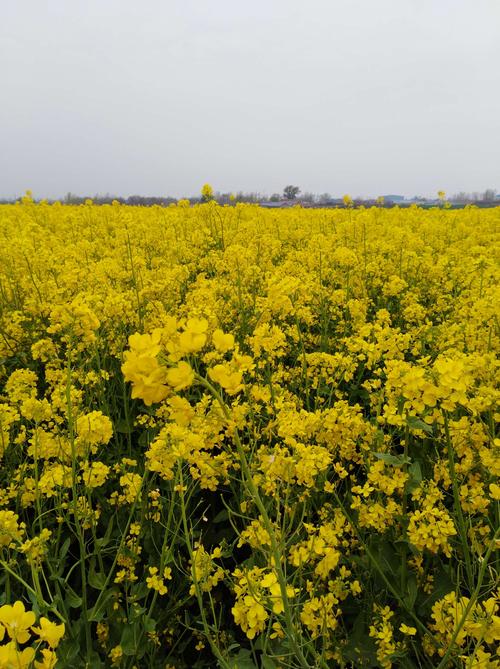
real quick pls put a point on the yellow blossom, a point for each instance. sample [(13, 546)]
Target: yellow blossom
[(181, 376), (50, 632), (17, 621)]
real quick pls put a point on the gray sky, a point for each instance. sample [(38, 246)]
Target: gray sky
[(158, 96)]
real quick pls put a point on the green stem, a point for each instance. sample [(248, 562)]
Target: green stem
[(375, 563), (76, 513), (404, 552), (458, 507), (472, 601), (199, 595), (28, 587), (275, 549)]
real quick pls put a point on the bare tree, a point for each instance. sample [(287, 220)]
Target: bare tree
[(461, 198), (489, 194), (290, 192)]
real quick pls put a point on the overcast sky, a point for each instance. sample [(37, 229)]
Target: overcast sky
[(365, 97)]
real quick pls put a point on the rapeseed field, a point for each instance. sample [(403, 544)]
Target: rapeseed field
[(236, 437)]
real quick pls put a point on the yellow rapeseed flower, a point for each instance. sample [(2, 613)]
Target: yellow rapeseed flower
[(17, 621)]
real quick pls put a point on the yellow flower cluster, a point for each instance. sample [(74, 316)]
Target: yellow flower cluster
[(258, 596), (156, 582), (430, 527), (458, 619), (231, 435), (383, 633), (17, 627), (205, 573)]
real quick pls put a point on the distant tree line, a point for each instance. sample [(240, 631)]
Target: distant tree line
[(489, 195), (291, 195), (137, 200)]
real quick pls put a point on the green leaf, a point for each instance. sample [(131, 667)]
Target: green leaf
[(129, 640), (67, 652), (442, 586), (267, 662), (95, 661), (149, 625), (221, 516), (96, 580), (123, 426), (145, 438), (412, 591), (96, 613), (64, 549), (136, 612), (34, 602), (139, 590), (416, 424), (243, 660), (403, 661), (360, 649), (396, 460), (389, 559), (104, 541), (415, 476), (73, 600)]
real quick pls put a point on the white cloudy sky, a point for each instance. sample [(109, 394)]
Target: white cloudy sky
[(158, 96)]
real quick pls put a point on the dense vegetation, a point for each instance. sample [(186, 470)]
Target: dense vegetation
[(247, 438)]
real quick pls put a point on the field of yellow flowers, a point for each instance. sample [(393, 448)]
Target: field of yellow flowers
[(240, 438)]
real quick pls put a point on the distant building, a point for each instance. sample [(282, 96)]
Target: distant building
[(395, 199), (284, 204)]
